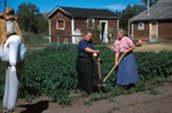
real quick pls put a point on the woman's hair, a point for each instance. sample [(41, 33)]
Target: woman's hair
[(121, 30), (85, 33), (3, 32)]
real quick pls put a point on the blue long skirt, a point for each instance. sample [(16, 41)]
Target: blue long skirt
[(127, 70)]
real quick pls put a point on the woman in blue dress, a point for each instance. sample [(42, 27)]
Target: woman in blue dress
[(127, 73)]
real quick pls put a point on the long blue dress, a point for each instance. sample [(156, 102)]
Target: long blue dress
[(127, 70)]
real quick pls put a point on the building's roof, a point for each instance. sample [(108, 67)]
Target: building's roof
[(84, 12), (162, 10)]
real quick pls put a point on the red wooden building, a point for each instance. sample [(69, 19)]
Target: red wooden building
[(154, 24), (67, 22)]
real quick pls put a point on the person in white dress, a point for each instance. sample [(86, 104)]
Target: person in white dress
[(12, 51)]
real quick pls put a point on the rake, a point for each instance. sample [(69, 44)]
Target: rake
[(113, 68)]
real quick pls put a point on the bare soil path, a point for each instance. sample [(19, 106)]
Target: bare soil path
[(140, 102)]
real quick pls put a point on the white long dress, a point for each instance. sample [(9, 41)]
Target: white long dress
[(13, 51)]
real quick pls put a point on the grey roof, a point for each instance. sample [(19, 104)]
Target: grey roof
[(162, 10), (84, 12)]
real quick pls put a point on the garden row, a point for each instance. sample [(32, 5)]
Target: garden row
[(52, 72)]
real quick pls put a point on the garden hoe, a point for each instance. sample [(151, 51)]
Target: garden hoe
[(99, 73), (113, 68)]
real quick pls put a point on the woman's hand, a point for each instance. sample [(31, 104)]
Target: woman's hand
[(129, 50), (116, 63), (126, 52), (96, 53)]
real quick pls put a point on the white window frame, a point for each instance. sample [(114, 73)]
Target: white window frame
[(57, 26), (141, 26), (92, 20)]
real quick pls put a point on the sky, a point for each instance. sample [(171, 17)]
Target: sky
[(48, 5)]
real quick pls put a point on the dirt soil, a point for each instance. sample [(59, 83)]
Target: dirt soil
[(156, 47), (140, 102)]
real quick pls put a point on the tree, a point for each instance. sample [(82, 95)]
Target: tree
[(128, 13), (29, 18), (42, 25), (151, 2)]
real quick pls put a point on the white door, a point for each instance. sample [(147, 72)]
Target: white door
[(103, 31), (153, 36)]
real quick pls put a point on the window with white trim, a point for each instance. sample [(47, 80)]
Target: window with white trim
[(141, 26), (60, 24), (90, 23)]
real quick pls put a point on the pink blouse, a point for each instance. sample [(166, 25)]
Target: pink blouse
[(123, 45)]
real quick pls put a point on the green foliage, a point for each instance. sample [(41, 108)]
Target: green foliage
[(52, 72), (35, 40), (151, 65), (2, 77), (31, 20), (42, 25)]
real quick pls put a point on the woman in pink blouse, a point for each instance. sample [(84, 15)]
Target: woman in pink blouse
[(127, 73)]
